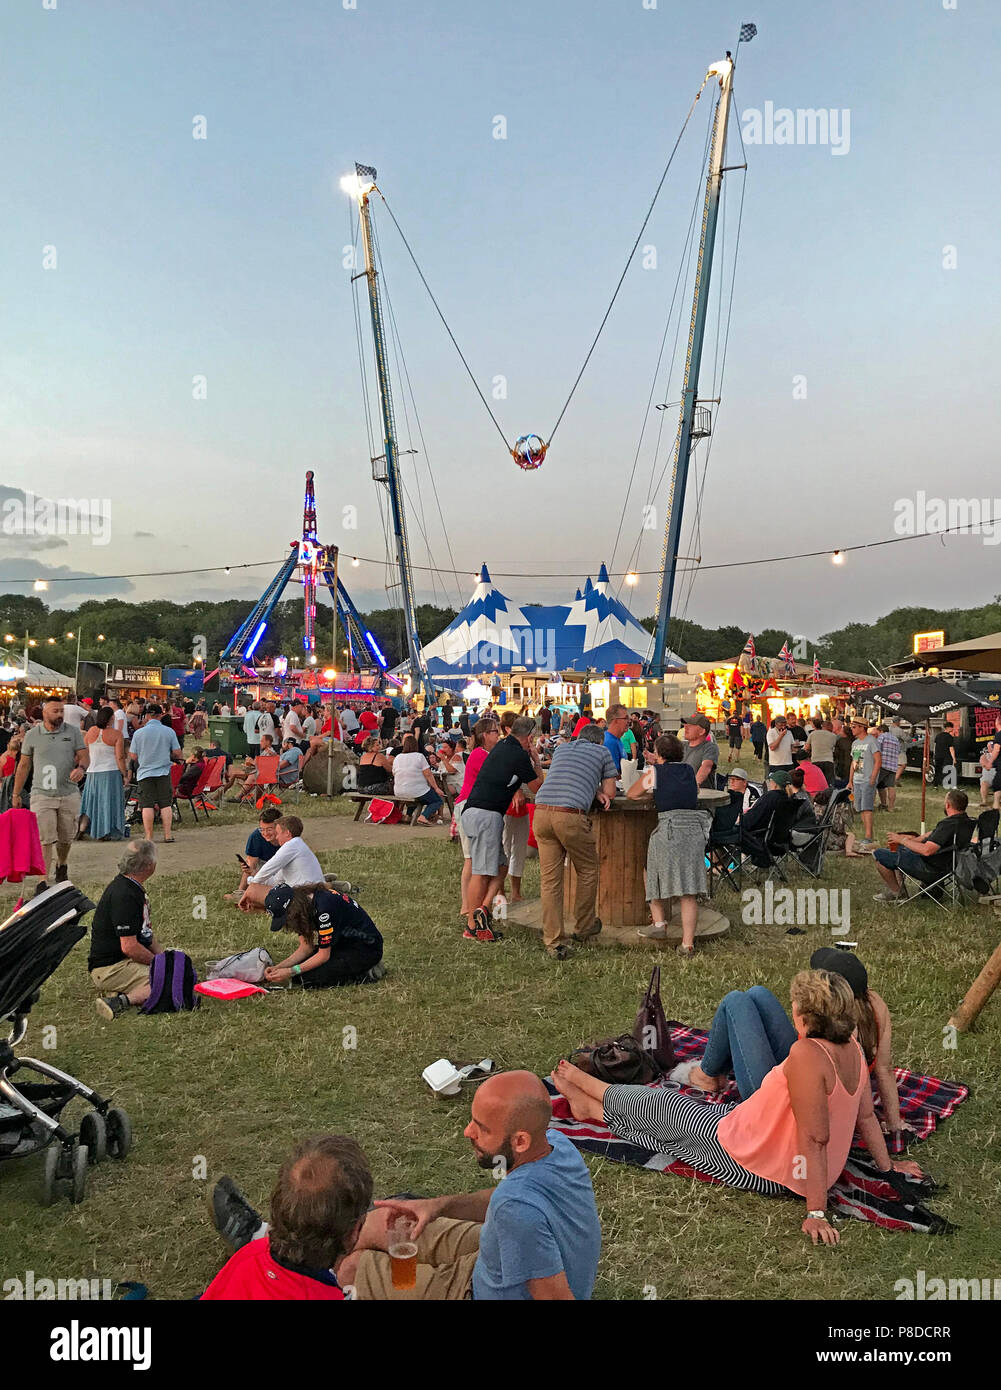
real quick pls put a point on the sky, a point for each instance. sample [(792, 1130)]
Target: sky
[(178, 342)]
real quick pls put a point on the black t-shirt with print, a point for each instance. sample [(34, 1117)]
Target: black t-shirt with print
[(502, 773), (338, 918), (122, 911)]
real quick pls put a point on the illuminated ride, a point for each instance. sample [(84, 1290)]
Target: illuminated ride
[(310, 564)]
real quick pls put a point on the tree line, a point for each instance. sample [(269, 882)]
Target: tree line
[(130, 630)]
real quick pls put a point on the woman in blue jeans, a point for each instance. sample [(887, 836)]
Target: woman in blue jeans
[(750, 1035)]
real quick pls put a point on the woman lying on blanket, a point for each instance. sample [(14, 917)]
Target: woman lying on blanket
[(805, 1089), (746, 1023)]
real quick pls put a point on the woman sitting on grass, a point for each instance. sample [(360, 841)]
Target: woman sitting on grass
[(792, 1129), (339, 944)]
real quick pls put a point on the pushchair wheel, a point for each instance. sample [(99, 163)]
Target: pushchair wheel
[(79, 1161), (94, 1136), (50, 1174), (119, 1132)]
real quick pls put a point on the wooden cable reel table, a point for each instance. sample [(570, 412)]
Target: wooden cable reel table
[(621, 836)]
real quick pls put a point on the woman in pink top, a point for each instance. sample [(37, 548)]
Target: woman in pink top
[(486, 732), (791, 1134)]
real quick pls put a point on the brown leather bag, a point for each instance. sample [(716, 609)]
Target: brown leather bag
[(620, 1061), (651, 1029)]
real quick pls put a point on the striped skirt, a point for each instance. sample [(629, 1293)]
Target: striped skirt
[(672, 1123), (676, 855)]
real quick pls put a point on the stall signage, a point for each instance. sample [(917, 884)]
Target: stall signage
[(136, 675)]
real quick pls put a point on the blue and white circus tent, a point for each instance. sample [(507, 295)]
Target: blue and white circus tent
[(494, 635)]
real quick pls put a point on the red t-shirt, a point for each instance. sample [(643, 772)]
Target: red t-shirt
[(474, 762), (582, 723), (368, 719), (251, 1275)]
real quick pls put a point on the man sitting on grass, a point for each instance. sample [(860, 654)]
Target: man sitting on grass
[(122, 944), (318, 1210), (534, 1235), (261, 846), (293, 863), (925, 857)]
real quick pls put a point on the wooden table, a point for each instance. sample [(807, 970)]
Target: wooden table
[(621, 835)]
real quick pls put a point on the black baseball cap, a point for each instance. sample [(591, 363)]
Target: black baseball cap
[(842, 963), (278, 902)]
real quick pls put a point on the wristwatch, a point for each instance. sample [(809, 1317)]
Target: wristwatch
[(816, 1216)]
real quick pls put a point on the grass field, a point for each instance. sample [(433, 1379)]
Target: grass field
[(228, 1089)]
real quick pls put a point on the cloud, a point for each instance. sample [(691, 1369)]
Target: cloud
[(86, 584)]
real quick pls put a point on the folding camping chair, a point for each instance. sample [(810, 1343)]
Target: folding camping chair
[(210, 781), (776, 842), (723, 858), (810, 853), (267, 778), (944, 891)]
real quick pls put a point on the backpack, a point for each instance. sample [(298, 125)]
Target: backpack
[(172, 980), (248, 966)]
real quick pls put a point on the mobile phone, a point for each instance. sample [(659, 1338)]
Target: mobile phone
[(243, 861)]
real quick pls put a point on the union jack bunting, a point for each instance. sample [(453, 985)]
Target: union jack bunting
[(816, 668), (749, 647)]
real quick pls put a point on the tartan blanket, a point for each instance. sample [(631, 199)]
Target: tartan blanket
[(896, 1203)]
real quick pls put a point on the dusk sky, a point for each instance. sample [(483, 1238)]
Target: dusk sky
[(867, 281)]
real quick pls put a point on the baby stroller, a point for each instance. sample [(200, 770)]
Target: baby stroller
[(32, 944)]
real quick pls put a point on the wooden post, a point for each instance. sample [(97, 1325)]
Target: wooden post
[(978, 994)]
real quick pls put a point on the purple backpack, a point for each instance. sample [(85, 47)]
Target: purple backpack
[(172, 980)]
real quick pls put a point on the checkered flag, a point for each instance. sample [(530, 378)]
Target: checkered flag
[(747, 32), (365, 172)]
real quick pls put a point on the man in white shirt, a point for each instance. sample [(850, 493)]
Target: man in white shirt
[(349, 720), (251, 731), (120, 719), (73, 714), (294, 863), (292, 723), (266, 720), (309, 725), (779, 741)]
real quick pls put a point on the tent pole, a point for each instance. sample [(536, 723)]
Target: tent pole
[(978, 994), (924, 776)]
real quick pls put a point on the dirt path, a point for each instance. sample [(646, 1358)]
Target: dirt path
[(209, 845)]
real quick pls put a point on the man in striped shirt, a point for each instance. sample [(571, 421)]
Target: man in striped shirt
[(581, 771), (886, 785)]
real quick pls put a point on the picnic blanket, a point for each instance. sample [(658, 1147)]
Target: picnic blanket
[(896, 1203)]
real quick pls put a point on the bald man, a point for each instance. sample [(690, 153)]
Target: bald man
[(533, 1235)]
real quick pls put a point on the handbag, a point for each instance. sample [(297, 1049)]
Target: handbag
[(620, 1061), (248, 966), (651, 1029)]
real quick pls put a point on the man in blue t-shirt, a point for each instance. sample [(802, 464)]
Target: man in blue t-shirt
[(153, 748), (616, 724), (262, 845), (535, 1235)]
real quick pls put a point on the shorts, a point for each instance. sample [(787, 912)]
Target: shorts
[(735, 740), (987, 776), (485, 835), (121, 978), (58, 817), (863, 795), (887, 778), (155, 791), (914, 864)]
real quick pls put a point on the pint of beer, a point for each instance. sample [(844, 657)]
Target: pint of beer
[(403, 1254)]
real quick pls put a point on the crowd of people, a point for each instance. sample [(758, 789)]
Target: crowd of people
[(803, 1076)]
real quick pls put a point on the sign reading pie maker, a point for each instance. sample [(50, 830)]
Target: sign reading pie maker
[(135, 675)]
